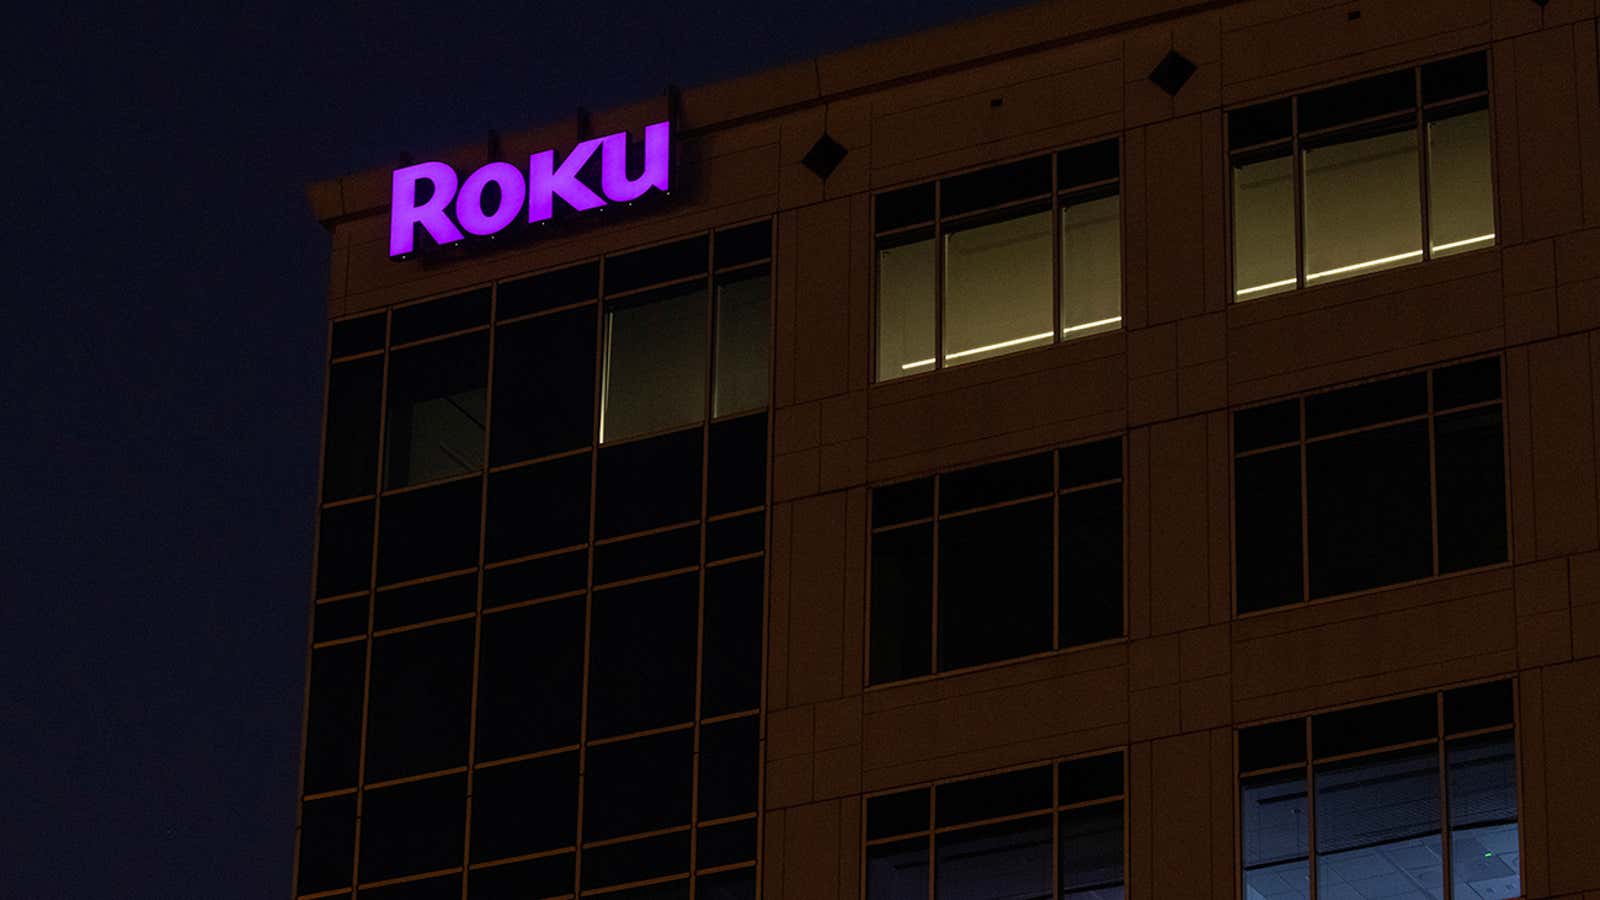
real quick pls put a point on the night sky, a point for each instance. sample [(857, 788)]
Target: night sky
[(162, 353)]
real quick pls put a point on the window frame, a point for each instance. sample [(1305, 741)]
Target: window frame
[(1419, 122), (1058, 492), (1441, 741), (1430, 416), (1058, 198)]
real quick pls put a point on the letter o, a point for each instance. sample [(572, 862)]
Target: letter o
[(469, 202)]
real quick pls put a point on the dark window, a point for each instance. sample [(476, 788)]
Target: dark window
[(551, 290), (745, 244), (360, 335), (429, 531), (543, 386), (729, 761), (737, 468), (1379, 471), (339, 619), (530, 679), (739, 884), (638, 785), (725, 844), (545, 876), (642, 656), (344, 549), (662, 551), (651, 857), (350, 457), (420, 321), (1372, 788), (647, 484), (333, 719), (533, 509), (730, 679), (525, 807), (1340, 192), (414, 827), (327, 843), (1022, 568), (1044, 843), (413, 604), (445, 887), (654, 265), (737, 536), (1003, 259), (436, 410), (535, 578), (419, 701)]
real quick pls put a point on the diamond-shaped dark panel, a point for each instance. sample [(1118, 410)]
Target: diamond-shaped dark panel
[(1172, 73), (824, 156)]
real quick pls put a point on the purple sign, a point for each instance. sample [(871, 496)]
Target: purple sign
[(546, 179)]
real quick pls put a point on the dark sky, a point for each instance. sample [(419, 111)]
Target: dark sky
[(161, 350)]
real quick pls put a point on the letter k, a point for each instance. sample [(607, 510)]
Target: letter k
[(545, 181)]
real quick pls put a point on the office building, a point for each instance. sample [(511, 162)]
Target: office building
[(1094, 451)]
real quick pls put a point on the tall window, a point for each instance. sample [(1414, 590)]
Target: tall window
[(1047, 831), (1402, 479), (669, 310), (999, 260), (1361, 177), (997, 561), (1384, 800)]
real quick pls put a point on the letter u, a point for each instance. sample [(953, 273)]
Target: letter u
[(614, 180)]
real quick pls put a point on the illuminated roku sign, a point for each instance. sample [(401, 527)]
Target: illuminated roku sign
[(456, 208)]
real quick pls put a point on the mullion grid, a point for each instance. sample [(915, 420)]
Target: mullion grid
[(936, 228), (1441, 739), (480, 569), (1054, 810), (1431, 416), (1056, 495)]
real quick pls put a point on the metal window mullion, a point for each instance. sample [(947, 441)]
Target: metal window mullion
[(1305, 511), (700, 601), (1056, 599), (933, 856), (1055, 830), (938, 276), (1433, 481), (1057, 291), (1444, 796), (1422, 183), (933, 593), (1297, 173), (596, 432), (1311, 814)]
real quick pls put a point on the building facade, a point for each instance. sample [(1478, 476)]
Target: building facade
[(1094, 451)]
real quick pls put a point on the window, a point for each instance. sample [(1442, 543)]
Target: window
[(1404, 478), (1047, 831), (997, 561), (1384, 800), (490, 584), (658, 343), (999, 260), (1361, 177)]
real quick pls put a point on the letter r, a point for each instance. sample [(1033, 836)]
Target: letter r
[(404, 213)]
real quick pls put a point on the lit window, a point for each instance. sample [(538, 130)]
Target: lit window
[(1403, 478), (999, 260), (1364, 813), (992, 522), (1361, 177), (1005, 835)]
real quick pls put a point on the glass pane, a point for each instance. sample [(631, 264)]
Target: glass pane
[(543, 386), (655, 364), (1091, 266), (997, 287), (902, 604), (1460, 193), (1484, 855), (1276, 832), (530, 679), (1368, 510), (741, 362), (436, 410), (640, 785), (1363, 210), (1007, 861), (411, 828), (1091, 565), (419, 701), (1378, 827), (327, 843), (905, 305), (1091, 853), (525, 807), (898, 871), (994, 584), (642, 655), (992, 796), (545, 876), (350, 454), (1267, 529), (1470, 466), (1263, 226)]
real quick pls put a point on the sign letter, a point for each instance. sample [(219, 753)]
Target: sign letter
[(404, 212)]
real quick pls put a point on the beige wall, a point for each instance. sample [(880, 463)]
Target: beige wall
[(922, 106)]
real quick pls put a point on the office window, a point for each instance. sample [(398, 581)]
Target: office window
[(702, 336), (490, 584), (997, 561), (999, 260), (1361, 177), (1404, 478), (1355, 801), (1048, 831)]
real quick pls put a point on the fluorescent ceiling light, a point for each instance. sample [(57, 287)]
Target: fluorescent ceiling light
[(1453, 245), (1095, 324)]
